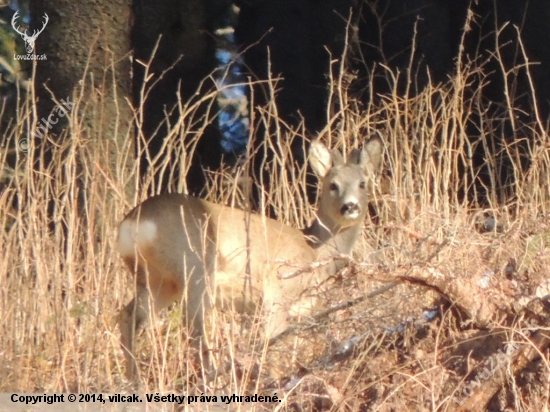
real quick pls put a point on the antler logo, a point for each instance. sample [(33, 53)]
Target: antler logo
[(29, 40)]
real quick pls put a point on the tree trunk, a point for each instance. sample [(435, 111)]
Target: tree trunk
[(90, 41)]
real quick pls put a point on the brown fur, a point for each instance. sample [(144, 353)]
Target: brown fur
[(180, 246)]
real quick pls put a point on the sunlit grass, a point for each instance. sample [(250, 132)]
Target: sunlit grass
[(63, 284)]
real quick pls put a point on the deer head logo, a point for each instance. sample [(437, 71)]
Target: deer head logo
[(29, 40)]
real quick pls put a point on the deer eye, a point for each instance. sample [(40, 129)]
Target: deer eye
[(333, 187), (362, 185)]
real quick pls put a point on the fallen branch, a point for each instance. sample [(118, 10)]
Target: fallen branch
[(321, 315)]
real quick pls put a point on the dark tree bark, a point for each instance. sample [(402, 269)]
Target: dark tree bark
[(87, 46), (87, 40), (87, 49)]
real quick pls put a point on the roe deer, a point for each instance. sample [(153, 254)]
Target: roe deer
[(181, 246)]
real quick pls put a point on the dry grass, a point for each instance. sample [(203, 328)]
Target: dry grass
[(62, 283)]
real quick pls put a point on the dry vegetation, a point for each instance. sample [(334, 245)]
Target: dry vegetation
[(464, 288)]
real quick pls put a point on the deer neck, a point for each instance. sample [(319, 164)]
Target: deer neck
[(329, 239)]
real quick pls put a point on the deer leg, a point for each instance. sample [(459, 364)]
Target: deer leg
[(132, 318)]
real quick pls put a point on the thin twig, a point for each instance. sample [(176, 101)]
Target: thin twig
[(344, 305)]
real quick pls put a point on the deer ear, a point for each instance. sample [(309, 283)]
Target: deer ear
[(320, 158), (370, 157)]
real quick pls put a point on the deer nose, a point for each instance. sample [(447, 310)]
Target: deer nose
[(350, 209)]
